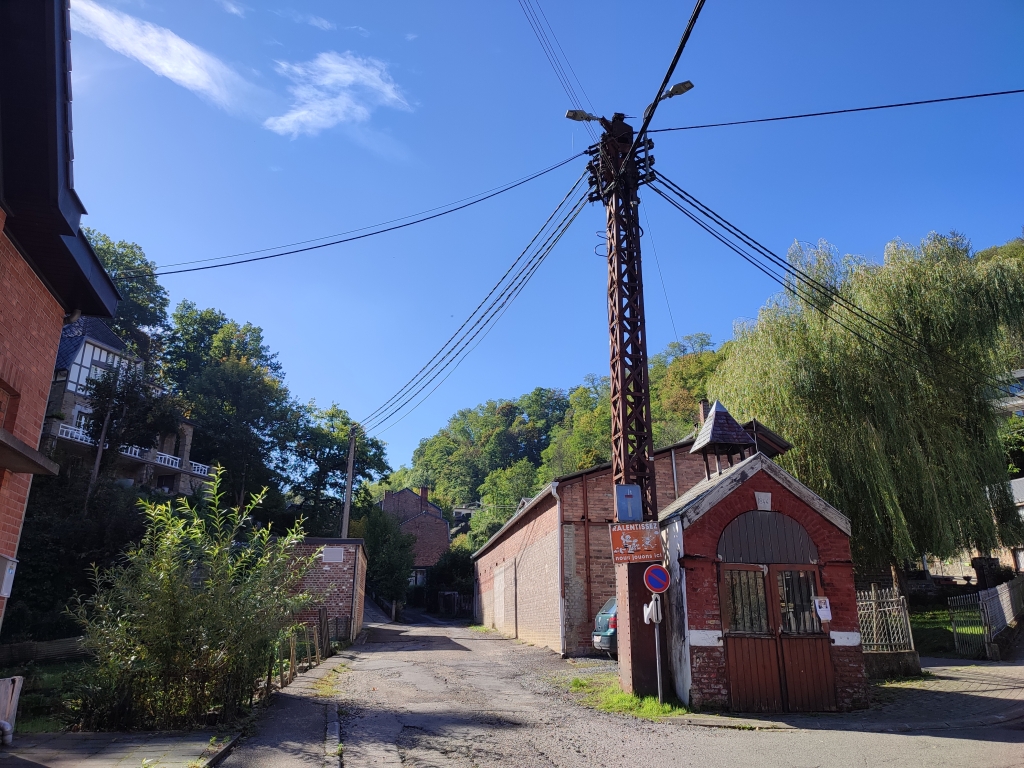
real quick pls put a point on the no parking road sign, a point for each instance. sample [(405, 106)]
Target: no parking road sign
[(657, 578)]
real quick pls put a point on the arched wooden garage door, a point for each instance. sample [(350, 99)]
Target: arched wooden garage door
[(777, 655)]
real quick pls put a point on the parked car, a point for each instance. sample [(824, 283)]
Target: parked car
[(606, 627)]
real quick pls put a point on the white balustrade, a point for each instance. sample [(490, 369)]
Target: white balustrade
[(168, 461), (70, 432), (132, 450), (199, 469)]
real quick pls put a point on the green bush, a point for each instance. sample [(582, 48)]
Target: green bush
[(186, 627)]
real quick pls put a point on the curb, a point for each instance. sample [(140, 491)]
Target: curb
[(332, 744), (223, 752), (829, 723)]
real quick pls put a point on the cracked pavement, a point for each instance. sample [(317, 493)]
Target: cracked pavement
[(437, 694)]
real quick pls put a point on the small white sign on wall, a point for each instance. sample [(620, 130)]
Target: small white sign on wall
[(764, 500), (822, 608), (334, 554)]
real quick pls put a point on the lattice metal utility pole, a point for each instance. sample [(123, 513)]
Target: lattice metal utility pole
[(632, 441), (615, 178)]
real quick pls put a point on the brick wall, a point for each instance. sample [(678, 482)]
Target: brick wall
[(30, 325), (331, 584), (518, 590), (700, 543), (416, 515)]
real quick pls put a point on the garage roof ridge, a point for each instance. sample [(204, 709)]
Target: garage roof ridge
[(693, 504)]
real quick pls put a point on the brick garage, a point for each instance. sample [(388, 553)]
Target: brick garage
[(553, 562), (337, 582), (48, 271), (747, 549)]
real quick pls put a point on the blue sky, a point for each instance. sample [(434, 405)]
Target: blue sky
[(209, 127)]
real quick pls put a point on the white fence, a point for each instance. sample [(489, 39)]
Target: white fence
[(884, 621), (978, 619)]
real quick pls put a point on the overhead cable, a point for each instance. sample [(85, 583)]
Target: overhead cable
[(840, 111), (377, 229), (490, 309)]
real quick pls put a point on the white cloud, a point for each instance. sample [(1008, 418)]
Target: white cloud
[(334, 88), (361, 30), (162, 51), (410, 36), (320, 23), (232, 7)]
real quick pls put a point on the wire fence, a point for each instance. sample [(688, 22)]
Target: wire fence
[(884, 621), (968, 625), (1002, 606)]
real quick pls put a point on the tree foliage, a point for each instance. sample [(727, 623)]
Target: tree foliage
[(187, 625), (389, 556), (903, 442), (141, 317), (318, 465)]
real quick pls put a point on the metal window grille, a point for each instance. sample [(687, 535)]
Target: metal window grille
[(884, 621)]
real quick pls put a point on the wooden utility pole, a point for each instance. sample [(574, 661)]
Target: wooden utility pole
[(348, 478), (616, 174)]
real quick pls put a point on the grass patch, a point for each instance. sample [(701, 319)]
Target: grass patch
[(933, 632), (327, 685), (478, 628), (41, 704), (602, 692)]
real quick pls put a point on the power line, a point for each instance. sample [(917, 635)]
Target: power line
[(840, 111), (495, 312), (483, 317), (378, 229), (649, 112), (539, 32), (440, 354), (797, 275), (661, 276)]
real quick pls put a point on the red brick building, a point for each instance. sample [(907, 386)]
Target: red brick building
[(544, 576), (337, 583), (49, 273), (424, 520)]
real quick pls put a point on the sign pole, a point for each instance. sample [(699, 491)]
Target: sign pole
[(657, 643)]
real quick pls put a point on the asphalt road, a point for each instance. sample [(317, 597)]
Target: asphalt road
[(438, 695)]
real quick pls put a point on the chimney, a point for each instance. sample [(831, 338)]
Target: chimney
[(424, 494), (703, 409)]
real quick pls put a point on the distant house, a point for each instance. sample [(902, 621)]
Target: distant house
[(87, 349), (417, 515)]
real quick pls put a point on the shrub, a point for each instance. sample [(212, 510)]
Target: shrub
[(185, 628)]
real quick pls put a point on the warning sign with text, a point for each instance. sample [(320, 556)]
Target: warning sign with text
[(636, 542)]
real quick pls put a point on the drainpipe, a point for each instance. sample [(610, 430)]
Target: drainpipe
[(561, 571)]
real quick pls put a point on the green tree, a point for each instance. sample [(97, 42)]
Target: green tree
[(904, 442), (318, 465), (141, 316), (233, 387), (389, 557), (128, 410), (186, 626), (584, 437)]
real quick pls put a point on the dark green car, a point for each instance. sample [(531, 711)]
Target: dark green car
[(606, 627)]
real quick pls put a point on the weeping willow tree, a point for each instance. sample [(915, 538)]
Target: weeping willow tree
[(903, 439)]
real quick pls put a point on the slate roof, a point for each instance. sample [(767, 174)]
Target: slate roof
[(73, 334), (692, 504), (720, 428)]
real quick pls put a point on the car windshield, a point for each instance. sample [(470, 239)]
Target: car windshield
[(609, 607)]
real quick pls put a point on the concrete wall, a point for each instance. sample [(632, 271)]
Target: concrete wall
[(30, 325), (518, 588)]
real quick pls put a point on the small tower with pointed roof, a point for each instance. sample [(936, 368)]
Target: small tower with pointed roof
[(722, 435)]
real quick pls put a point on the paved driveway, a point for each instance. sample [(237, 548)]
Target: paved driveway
[(438, 695)]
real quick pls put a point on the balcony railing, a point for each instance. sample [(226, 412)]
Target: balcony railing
[(132, 450), (167, 460), (199, 469), (69, 432)]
